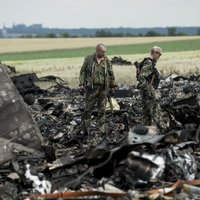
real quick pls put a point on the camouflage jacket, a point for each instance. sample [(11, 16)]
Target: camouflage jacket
[(94, 73), (149, 75)]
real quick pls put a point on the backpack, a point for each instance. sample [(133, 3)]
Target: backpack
[(156, 79), (139, 66)]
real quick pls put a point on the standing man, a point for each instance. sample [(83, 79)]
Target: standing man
[(149, 79), (198, 104), (198, 97), (96, 78)]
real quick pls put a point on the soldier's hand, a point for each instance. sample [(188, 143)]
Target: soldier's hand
[(111, 91), (114, 86)]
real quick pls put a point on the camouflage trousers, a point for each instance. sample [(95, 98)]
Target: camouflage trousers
[(152, 113), (94, 96)]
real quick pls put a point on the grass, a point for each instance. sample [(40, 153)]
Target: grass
[(43, 44), (167, 46), (181, 55), (183, 63)]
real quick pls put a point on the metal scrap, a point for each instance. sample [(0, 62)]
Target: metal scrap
[(130, 158), (120, 61), (17, 124)]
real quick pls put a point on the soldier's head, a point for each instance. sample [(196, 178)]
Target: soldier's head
[(100, 51), (156, 52)]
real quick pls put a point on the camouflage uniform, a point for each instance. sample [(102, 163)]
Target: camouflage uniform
[(96, 79), (148, 82), (198, 104)]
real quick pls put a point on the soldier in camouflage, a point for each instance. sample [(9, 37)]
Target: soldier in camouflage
[(96, 77), (198, 98), (149, 78), (198, 104)]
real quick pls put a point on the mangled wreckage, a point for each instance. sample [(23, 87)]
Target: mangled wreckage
[(45, 155)]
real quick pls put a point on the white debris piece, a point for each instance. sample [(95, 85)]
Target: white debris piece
[(41, 186)]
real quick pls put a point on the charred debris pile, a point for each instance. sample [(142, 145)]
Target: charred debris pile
[(45, 154)]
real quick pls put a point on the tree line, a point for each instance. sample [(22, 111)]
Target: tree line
[(171, 31)]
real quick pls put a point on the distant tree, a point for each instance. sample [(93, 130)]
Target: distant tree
[(26, 36), (171, 31), (51, 35), (139, 35), (38, 36), (74, 36), (103, 33), (198, 31), (181, 34), (152, 34), (65, 35), (117, 35), (129, 35)]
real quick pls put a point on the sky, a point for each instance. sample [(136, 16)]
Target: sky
[(100, 13)]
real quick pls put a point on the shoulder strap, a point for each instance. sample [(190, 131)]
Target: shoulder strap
[(142, 63), (106, 73), (153, 62)]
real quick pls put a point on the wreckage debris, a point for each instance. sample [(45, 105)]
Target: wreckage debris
[(17, 124), (129, 161), (26, 87), (120, 61), (41, 186)]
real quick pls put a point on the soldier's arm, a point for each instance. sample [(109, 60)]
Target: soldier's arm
[(146, 71), (82, 75), (111, 74)]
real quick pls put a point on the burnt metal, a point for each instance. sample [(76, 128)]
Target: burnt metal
[(25, 83), (80, 160), (121, 93), (11, 69), (17, 123), (120, 61)]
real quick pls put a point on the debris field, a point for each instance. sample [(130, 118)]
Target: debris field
[(45, 154)]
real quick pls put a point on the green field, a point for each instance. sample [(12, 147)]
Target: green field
[(180, 56), (169, 46)]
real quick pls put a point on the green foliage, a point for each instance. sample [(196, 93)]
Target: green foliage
[(198, 31), (181, 34), (171, 31), (140, 35), (103, 33), (170, 46), (65, 35), (128, 35), (26, 36), (152, 34), (51, 35)]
